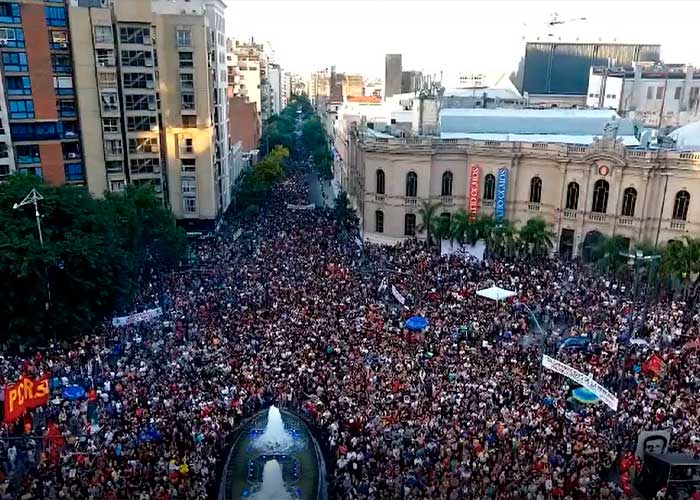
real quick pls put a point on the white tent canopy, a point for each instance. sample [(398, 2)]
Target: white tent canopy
[(495, 293)]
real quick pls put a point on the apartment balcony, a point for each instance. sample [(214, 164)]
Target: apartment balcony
[(569, 214), (677, 225), (379, 198), (186, 152), (624, 220), (533, 207), (410, 201), (598, 217), (486, 203)]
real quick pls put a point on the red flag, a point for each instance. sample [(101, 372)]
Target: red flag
[(654, 365)]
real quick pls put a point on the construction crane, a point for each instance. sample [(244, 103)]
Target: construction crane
[(554, 21)]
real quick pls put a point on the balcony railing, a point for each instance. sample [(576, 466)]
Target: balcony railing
[(533, 207), (379, 198), (625, 220), (569, 214), (487, 203), (597, 217), (410, 201), (447, 201), (677, 225)]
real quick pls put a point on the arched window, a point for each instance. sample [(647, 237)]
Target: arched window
[(380, 182), (680, 206), (410, 225), (489, 187), (411, 184), (535, 190), (379, 221), (572, 191), (601, 190), (629, 202), (447, 184)]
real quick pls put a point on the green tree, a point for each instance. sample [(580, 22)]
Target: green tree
[(609, 253), (536, 237), (463, 229), (344, 213), (428, 215), (257, 182), (681, 261), (503, 239)]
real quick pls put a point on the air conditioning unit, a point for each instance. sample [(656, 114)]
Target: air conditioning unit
[(72, 155), (63, 45), (148, 63), (152, 106)]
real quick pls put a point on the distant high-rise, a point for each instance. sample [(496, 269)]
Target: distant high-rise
[(392, 75), (409, 81)]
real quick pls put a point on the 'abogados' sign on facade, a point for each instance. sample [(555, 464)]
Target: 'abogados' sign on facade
[(473, 194)]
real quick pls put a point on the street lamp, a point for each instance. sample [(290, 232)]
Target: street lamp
[(34, 197)]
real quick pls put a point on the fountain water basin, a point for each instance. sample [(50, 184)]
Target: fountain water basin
[(273, 487), (275, 438)]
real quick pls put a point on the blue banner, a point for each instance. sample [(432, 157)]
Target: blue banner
[(501, 188)]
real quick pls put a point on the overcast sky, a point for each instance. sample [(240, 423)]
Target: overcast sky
[(451, 35)]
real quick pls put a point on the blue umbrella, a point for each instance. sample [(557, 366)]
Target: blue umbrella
[(72, 392), (416, 323), (583, 395)]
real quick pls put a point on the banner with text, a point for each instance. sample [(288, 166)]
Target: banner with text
[(292, 206), (138, 317), (24, 394), (499, 211), (473, 194), (586, 381)]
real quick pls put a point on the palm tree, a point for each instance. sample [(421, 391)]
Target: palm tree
[(681, 260), (536, 236), (608, 253), (503, 238), (428, 214), (463, 229)]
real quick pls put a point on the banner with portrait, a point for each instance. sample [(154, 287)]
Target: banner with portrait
[(653, 442)]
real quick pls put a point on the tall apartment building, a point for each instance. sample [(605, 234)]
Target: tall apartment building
[(319, 85), (249, 64), (353, 85), (276, 88), (392, 75), (151, 83), (38, 105)]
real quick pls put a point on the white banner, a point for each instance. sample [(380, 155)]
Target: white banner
[(397, 295), (147, 315), (586, 381), (237, 234), (476, 250), (309, 206)]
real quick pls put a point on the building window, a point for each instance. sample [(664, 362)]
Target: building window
[(535, 190), (104, 34), (137, 58), (144, 166), (410, 225), (63, 85), (56, 16), (650, 93), (14, 61), (138, 80), (659, 92), (186, 144), (117, 186), (61, 63), (183, 38), (694, 94), (110, 101), (629, 201), (411, 184), (188, 165), (110, 125), (28, 153), (572, 191), (189, 186), (381, 188), (189, 121), (138, 35), (446, 184), (187, 100), (66, 108), (105, 58), (143, 145), (40, 131), (190, 205), (489, 187), (18, 85), (601, 190), (185, 59), (141, 123), (139, 102), (186, 81), (107, 80), (677, 93), (9, 13), (113, 147), (680, 205), (115, 166), (58, 39), (74, 172), (379, 221), (12, 38), (21, 109)]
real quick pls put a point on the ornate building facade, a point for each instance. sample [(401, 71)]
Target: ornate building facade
[(581, 191)]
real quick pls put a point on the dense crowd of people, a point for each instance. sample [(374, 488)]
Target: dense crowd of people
[(294, 312)]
